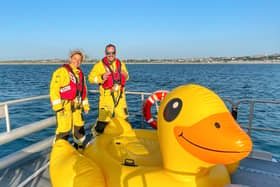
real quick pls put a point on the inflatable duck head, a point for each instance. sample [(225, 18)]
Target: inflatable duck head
[(196, 131)]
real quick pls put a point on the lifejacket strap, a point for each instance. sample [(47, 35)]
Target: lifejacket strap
[(59, 110)]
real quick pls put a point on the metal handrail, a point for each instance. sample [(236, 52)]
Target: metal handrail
[(25, 152), (34, 175), (252, 102), (24, 100), (26, 130), (4, 106)]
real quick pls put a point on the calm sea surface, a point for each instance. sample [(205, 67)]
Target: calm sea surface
[(235, 81)]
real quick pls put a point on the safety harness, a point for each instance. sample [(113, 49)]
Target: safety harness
[(116, 79)]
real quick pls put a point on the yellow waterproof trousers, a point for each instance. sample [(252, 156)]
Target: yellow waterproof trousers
[(70, 118), (107, 107)]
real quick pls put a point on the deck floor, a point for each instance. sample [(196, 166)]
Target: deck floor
[(257, 173), (19, 172)]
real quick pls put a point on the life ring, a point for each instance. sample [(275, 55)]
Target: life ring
[(156, 96)]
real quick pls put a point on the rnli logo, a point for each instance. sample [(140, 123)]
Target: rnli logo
[(65, 89), (72, 78)]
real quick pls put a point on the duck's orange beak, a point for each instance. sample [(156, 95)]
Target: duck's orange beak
[(216, 139)]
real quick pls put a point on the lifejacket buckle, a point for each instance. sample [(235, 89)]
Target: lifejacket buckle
[(115, 87), (79, 99)]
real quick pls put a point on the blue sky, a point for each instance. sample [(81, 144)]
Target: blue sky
[(35, 29)]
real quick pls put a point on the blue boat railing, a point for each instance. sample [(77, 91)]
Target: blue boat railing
[(13, 134)]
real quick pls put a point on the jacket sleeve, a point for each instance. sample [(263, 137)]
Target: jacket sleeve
[(124, 69), (55, 85), (95, 75)]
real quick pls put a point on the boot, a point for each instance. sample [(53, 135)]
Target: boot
[(78, 147)]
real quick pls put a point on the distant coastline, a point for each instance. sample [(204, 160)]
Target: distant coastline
[(260, 59), (159, 62)]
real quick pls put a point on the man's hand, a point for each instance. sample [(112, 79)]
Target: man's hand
[(125, 74), (105, 76)]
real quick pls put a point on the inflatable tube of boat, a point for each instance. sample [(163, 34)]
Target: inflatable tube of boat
[(69, 168)]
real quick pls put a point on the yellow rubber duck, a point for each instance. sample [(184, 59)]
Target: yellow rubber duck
[(196, 138)]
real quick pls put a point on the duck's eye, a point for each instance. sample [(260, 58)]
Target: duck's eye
[(217, 125), (172, 109)]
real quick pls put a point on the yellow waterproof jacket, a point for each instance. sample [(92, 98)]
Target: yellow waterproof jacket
[(95, 76), (61, 78)]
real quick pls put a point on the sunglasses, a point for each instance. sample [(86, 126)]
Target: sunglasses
[(110, 52)]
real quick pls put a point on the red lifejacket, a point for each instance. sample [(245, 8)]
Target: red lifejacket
[(75, 87), (116, 77)]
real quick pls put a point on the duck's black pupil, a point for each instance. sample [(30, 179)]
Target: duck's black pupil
[(217, 125), (172, 109)]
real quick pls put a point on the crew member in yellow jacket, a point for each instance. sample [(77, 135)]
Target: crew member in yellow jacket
[(68, 94), (110, 74)]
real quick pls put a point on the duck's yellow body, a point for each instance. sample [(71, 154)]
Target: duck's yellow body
[(133, 158), (195, 141), (69, 168)]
